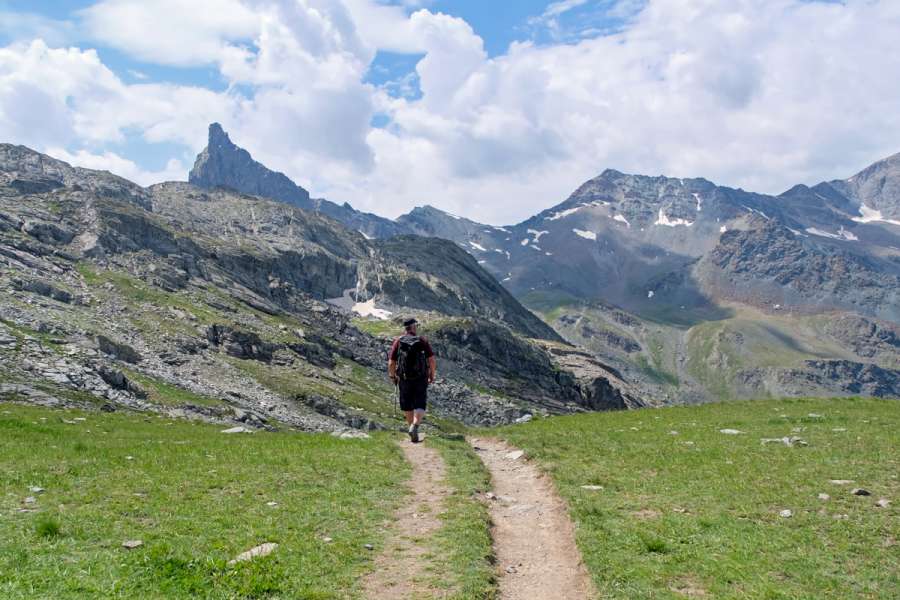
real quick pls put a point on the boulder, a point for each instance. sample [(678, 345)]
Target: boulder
[(118, 350)]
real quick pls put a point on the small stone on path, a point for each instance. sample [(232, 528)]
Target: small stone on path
[(369, 547), (786, 513), (592, 487), (36, 490), (860, 492), (730, 431), (883, 503), (132, 544), (515, 455), (840, 481), (824, 497), (261, 550), (30, 500), (271, 504)]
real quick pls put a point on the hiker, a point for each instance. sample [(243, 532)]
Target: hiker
[(412, 366)]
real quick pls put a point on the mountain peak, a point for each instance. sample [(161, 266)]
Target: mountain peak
[(223, 164), (217, 135), (877, 186)]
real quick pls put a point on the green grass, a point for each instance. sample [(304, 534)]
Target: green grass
[(699, 510), (195, 497), (377, 328), (464, 541)]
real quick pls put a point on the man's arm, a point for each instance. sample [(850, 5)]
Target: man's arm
[(392, 370), (432, 368), (392, 361)]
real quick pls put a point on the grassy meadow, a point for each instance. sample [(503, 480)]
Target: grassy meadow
[(688, 511), (195, 497)]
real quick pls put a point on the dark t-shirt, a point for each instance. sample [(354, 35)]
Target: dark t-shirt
[(395, 347)]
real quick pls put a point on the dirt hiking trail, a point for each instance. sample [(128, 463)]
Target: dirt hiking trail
[(403, 568), (534, 539)]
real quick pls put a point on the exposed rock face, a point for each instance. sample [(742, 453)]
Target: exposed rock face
[(222, 164), (866, 337), (877, 187), (25, 172), (771, 265), (433, 273), (827, 378)]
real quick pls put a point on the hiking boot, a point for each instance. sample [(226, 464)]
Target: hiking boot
[(414, 433)]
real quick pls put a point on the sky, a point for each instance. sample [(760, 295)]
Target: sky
[(493, 110)]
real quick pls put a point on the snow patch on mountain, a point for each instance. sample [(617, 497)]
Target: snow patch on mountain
[(663, 219), (759, 212), (478, 246), (537, 235), (842, 234), (699, 201), (870, 215), (588, 235), (367, 309), (622, 219), (570, 211)]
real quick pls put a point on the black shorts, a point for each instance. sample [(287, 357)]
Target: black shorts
[(413, 394)]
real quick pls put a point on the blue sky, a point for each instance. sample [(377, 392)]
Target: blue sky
[(494, 110)]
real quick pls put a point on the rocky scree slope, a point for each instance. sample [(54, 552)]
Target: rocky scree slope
[(212, 304)]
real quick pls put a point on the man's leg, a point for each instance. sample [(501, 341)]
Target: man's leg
[(418, 416), (410, 416)]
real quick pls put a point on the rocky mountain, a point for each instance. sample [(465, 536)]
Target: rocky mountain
[(875, 190), (642, 270), (210, 303), (222, 164), (636, 269)]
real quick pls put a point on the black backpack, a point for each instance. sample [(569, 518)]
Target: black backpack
[(411, 364)]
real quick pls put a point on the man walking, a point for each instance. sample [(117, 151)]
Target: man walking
[(412, 366)]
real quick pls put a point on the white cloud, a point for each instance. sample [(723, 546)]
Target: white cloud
[(753, 93), (170, 31), (112, 162)]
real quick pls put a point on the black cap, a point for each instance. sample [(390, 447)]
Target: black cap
[(409, 322)]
